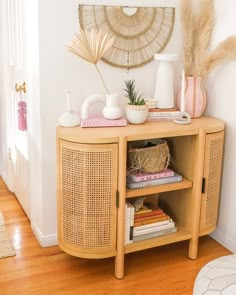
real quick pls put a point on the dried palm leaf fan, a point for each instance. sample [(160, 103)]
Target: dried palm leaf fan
[(91, 46), (139, 32)]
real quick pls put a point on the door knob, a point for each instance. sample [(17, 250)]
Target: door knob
[(20, 88)]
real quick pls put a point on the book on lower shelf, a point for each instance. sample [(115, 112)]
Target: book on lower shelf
[(151, 213), (155, 234), (153, 227), (141, 228), (150, 219), (143, 210), (141, 176), (100, 121), (132, 185), (129, 222)]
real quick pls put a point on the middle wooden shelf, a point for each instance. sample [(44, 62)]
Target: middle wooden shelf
[(184, 184)]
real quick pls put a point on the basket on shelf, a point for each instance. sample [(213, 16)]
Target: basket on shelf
[(152, 158)]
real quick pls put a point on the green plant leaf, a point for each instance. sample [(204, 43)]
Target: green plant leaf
[(133, 95)]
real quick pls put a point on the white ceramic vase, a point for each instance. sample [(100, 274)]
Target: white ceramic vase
[(164, 88), (112, 110), (136, 114)]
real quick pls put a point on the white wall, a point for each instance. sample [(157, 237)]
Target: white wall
[(60, 72), (221, 91), (4, 153)]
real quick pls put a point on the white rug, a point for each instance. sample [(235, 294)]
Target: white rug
[(5, 245), (218, 277)]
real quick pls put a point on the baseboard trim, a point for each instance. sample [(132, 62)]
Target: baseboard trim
[(44, 240), (224, 240), (6, 181)]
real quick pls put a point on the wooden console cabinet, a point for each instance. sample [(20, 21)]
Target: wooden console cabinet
[(91, 186)]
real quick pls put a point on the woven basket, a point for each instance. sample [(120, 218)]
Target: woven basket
[(150, 159)]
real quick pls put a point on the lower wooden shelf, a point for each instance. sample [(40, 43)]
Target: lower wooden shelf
[(180, 235)]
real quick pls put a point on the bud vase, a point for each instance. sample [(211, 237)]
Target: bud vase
[(112, 109), (195, 97)]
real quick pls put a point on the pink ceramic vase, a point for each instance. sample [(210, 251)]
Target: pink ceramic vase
[(195, 97)]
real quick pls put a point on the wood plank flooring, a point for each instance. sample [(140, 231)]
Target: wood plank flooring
[(34, 270)]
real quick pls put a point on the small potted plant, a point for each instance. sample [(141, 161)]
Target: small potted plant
[(136, 109)]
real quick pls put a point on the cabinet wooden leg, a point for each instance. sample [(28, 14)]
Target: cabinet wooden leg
[(193, 247), (119, 267), (120, 250)]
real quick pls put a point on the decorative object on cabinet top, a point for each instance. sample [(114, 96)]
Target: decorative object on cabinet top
[(197, 31), (91, 45), (153, 156), (198, 61), (139, 32), (100, 121), (188, 106), (69, 118), (164, 86), (136, 110), (133, 95)]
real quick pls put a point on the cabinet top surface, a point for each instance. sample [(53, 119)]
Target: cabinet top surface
[(139, 132)]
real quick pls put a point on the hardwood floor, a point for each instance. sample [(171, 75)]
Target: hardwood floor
[(35, 270)]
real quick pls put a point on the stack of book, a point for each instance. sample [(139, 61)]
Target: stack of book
[(163, 114), (146, 223), (139, 180), (100, 121)]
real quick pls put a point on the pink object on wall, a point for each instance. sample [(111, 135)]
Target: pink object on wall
[(22, 122), (195, 97)]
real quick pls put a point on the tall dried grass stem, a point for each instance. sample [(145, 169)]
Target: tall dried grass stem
[(205, 25), (226, 50), (188, 28)]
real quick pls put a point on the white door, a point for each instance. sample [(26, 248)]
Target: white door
[(14, 44)]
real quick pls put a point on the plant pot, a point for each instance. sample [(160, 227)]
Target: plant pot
[(195, 97), (136, 114), (112, 109)]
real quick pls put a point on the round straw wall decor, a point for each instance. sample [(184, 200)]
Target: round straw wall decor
[(139, 32)]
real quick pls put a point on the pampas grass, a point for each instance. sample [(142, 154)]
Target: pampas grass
[(226, 50), (197, 32), (189, 30), (204, 28)]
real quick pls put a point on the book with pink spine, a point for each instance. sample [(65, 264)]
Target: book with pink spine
[(141, 176), (100, 121)]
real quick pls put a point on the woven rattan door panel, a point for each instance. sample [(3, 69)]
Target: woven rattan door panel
[(87, 199), (212, 175)]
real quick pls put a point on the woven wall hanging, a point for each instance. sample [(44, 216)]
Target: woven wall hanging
[(139, 32)]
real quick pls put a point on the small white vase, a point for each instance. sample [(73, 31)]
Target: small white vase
[(112, 110), (164, 90), (69, 118), (136, 114)]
